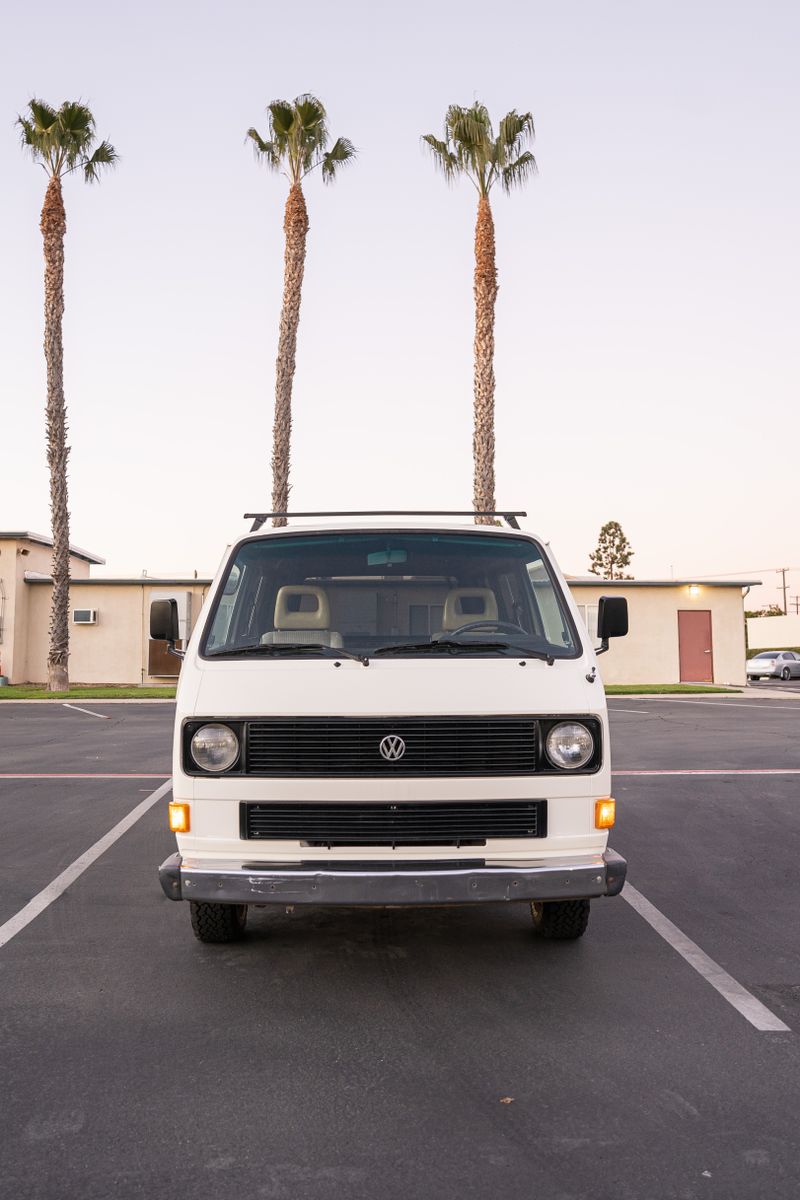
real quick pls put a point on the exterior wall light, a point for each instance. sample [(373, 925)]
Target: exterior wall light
[(694, 589)]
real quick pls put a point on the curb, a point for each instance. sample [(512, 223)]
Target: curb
[(86, 700)]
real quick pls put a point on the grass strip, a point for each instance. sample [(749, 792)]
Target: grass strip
[(27, 692), (24, 692), (664, 689)]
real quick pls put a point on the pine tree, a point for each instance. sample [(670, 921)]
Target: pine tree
[(613, 553)]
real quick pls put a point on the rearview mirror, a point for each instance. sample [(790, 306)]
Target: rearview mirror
[(612, 619), (164, 621)]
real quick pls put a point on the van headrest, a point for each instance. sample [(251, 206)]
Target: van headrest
[(294, 611), (462, 605)]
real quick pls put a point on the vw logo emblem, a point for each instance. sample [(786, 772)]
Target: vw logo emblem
[(392, 748)]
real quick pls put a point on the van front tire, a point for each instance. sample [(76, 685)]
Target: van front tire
[(560, 920), (218, 922)]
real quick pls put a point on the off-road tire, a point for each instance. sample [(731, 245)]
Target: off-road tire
[(560, 920), (218, 922)]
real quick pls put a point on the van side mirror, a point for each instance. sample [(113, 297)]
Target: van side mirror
[(164, 621), (612, 619)]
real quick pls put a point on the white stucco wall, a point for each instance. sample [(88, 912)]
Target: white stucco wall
[(773, 633), (114, 650)]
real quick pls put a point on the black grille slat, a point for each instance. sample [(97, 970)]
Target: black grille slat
[(325, 747), (448, 823)]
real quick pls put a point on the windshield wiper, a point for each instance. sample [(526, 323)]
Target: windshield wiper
[(276, 649), (452, 646)]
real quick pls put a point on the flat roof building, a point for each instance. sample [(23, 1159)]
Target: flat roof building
[(681, 630)]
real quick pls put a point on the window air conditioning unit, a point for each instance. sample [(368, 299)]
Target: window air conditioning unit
[(84, 616)]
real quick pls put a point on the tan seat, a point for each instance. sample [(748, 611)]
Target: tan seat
[(300, 620), (454, 615)]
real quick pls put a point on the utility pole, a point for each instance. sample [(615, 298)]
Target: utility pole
[(782, 572), (795, 600)]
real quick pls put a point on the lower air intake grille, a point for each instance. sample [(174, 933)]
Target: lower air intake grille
[(435, 824)]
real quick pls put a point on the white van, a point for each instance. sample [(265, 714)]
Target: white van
[(388, 711)]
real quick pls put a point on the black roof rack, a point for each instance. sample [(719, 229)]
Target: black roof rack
[(258, 519)]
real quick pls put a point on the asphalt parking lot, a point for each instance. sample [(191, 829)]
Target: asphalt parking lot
[(405, 1053)]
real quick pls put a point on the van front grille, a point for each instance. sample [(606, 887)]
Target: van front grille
[(457, 823), (341, 746)]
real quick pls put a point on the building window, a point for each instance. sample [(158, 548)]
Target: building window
[(589, 617)]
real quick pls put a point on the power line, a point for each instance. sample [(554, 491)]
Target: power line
[(750, 571)]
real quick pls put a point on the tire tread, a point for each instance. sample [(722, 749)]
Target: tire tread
[(217, 923), (561, 920)]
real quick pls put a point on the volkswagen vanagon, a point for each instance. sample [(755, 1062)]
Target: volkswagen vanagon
[(379, 709)]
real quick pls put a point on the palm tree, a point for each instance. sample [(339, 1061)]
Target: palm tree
[(60, 141), (296, 146), (470, 148)]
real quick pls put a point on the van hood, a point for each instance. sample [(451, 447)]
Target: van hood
[(453, 687)]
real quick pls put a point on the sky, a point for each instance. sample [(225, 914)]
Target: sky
[(648, 312)]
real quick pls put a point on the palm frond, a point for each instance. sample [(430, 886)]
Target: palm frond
[(27, 131), (281, 115), (309, 135), (45, 118), (340, 154), (76, 120), (298, 138), (518, 172), (470, 137), (263, 149), (469, 127), (62, 139), (104, 156), (38, 131), (470, 147), (516, 129), (443, 157), (310, 113)]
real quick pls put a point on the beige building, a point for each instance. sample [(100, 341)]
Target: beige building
[(680, 630), (109, 618)]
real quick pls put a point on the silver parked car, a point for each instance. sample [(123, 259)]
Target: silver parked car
[(774, 664)]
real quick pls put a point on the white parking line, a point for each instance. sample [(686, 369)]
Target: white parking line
[(89, 713), (756, 706), (743, 1001), (642, 711), (720, 771), (60, 884), (83, 775)]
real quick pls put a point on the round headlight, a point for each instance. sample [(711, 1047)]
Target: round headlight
[(215, 747), (569, 745)]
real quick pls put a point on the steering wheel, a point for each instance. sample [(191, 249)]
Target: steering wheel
[(500, 626)]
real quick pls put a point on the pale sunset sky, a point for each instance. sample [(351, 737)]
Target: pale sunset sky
[(648, 313)]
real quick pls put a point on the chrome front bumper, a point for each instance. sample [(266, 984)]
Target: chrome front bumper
[(549, 879)]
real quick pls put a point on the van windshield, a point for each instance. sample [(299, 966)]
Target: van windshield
[(395, 594)]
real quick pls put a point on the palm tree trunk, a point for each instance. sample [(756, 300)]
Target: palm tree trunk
[(295, 227), (53, 225), (485, 291)]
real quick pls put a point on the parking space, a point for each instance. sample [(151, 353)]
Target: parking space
[(783, 685), (442, 1052)]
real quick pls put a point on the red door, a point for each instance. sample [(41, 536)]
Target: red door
[(694, 646)]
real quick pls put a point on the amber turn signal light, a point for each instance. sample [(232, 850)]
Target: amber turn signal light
[(605, 812), (179, 817)]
